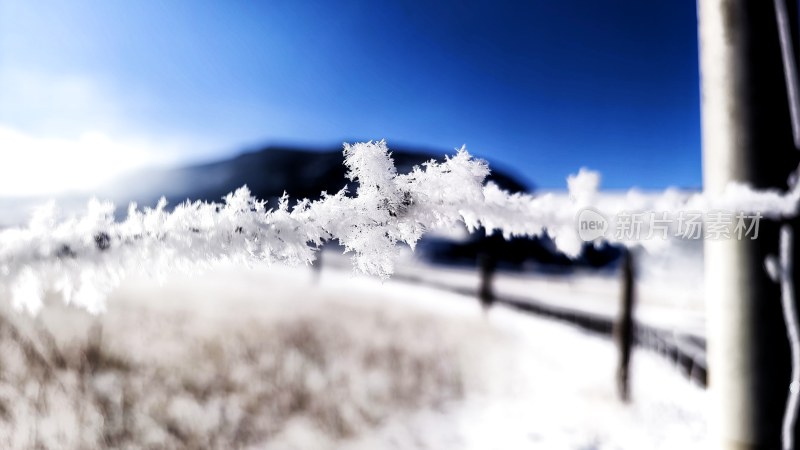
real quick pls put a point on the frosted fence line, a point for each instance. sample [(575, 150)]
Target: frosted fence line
[(83, 258)]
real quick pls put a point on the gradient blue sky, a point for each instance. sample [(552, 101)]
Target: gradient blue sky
[(543, 87)]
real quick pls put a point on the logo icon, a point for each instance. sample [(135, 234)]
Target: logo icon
[(591, 224)]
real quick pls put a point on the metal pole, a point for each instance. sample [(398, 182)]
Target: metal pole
[(747, 137)]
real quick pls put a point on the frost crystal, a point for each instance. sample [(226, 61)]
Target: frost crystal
[(81, 259)]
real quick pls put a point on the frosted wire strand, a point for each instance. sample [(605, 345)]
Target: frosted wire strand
[(789, 67), (793, 331), (83, 258), (787, 282)]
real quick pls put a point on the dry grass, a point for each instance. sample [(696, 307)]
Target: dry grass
[(340, 369)]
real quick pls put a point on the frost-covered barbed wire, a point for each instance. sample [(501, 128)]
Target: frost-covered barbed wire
[(82, 258)]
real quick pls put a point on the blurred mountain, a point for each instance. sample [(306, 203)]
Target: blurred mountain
[(268, 172)]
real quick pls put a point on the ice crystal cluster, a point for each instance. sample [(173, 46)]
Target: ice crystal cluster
[(82, 258)]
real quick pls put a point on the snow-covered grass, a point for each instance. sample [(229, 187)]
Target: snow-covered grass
[(269, 359)]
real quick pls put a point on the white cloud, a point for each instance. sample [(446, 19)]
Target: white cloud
[(58, 103), (35, 165), (70, 132)]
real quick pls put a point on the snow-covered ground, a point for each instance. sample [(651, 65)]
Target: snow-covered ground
[(550, 386), (269, 358)]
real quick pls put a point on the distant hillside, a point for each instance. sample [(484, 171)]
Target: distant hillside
[(268, 173)]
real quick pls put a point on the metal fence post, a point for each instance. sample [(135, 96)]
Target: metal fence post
[(747, 137)]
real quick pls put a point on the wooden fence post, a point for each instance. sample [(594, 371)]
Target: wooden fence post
[(486, 266), (624, 326), (316, 267)]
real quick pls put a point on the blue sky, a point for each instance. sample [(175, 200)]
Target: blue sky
[(542, 87)]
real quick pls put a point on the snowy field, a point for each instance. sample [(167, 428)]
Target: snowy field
[(669, 285), (271, 359)]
